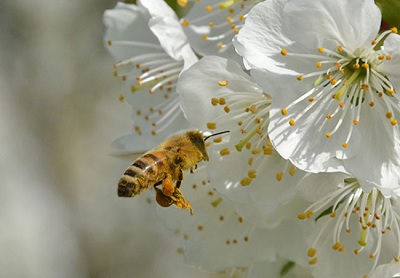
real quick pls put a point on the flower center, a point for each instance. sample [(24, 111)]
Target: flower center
[(351, 79), (371, 213), (156, 71), (246, 115)]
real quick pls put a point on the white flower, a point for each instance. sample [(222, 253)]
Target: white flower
[(216, 94), (216, 237), (335, 103), (356, 230), (152, 50), (210, 25)]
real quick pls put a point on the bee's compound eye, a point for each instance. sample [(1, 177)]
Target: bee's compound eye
[(163, 200)]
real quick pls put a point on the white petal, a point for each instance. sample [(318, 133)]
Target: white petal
[(127, 23), (262, 37), (331, 23), (216, 237), (392, 68)]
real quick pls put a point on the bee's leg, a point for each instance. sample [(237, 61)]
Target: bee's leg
[(157, 184), (191, 169), (180, 178), (168, 186)]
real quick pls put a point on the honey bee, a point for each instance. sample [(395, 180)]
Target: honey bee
[(164, 165)]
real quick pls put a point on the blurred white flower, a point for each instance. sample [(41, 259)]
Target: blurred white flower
[(335, 103), (217, 94), (216, 237), (152, 50), (210, 25), (355, 230)]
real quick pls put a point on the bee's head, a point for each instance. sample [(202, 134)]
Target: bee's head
[(197, 139)]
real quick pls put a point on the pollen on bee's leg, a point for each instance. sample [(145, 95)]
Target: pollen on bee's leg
[(168, 186)]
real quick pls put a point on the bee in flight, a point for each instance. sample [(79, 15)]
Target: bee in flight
[(164, 165)]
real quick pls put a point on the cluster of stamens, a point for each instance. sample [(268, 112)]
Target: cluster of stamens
[(250, 111), (372, 213), (157, 72), (346, 81), (224, 19)]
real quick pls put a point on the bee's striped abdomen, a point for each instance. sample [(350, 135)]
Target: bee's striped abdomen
[(142, 174)]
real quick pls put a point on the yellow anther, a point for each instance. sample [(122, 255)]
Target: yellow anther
[(355, 122), (220, 45), (299, 77), (182, 3), (245, 181), (338, 64), (268, 150), (310, 99), (279, 176), (340, 48), (345, 145), (242, 17), (388, 57), (341, 104), (214, 101), (302, 216), (256, 151), (224, 151), (227, 109), (311, 252), (333, 81), (348, 230), (373, 42), (341, 70), (336, 246), (328, 135), (393, 121), (292, 122), (396, 259), (284, 111), (328, 116), (390, 91), (185, 23), (284, 51), (229, 19), (248, 145), (223, 83), (292, 170), (205, 37), (218, 139), (365, 65), (153, 132), (333, 214), (211, 125), (121, 98), (356, 66), (252, 174), (321, 50), (394, 30), (389, 115), (371, 256), (250, 161), (209, 8), (318, 64), (109, 42), (309, 213), (329, 76), (222, 101), (364, 86), (371, 103), (313, 261), (381, 57)]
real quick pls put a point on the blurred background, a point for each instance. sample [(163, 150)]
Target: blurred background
[(59, 113)]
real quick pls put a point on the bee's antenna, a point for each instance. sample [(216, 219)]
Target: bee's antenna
[(218, 133)]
